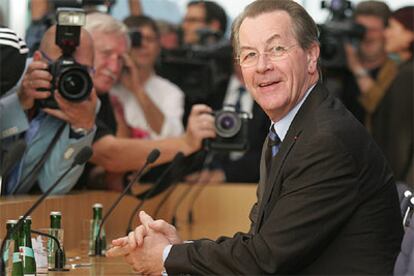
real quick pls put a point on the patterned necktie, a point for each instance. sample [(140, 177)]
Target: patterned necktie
[(273, 146)]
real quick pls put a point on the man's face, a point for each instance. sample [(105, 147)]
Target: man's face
[(84, 53), (372, 46), (194, 20), (277, 85), (397, 37), (146, 55), (109, 51)]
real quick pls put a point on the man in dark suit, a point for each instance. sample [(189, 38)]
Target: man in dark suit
[(327, 202)]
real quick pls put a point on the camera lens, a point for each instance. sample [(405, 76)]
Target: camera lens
[(227, 124), (75, 84)]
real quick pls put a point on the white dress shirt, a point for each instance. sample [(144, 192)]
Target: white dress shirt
[(168, 98)]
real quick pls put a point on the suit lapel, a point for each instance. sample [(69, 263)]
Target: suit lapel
[(272, 181)]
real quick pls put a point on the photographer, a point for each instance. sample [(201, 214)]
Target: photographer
[(370, 72), (201, 67), (151, 105), (203, 15), (50, 134), (43, 16), (393, 120), (118, 154)]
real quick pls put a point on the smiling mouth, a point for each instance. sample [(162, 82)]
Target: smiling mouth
[(268, 84)]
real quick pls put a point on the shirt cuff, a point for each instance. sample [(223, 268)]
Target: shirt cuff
[(165, 254)]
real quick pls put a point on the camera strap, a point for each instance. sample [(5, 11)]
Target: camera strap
[(32, 175)]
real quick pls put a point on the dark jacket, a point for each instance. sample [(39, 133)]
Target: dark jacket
[(328, 206)]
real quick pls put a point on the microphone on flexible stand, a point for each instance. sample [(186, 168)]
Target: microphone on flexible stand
[(206, 163), (165, 198), (154, 154), (192, 161), (196, 195), (84, 154), (59, 254), (159, 186), (10, 159)]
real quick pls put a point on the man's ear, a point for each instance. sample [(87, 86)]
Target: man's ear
[(312, 57)]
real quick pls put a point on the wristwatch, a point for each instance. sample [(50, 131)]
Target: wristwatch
[(79, 132), (360, 73)]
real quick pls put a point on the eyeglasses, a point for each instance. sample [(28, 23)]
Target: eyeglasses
[(90, 69), (250, 57), (192, 19)]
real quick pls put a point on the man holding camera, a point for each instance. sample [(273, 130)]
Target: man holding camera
[(116, 154), (203, 15), (327, 203), (371, 70), (151, 106), (53, 136)]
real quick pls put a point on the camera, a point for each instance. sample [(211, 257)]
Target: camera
[(335, 32), (231, 129), (200, 70), (89, 5), (70, 78), (136, 38)]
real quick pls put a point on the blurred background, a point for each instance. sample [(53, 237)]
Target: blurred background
[(16, 14)]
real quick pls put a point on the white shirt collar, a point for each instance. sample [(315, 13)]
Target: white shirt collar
[(282, 126)]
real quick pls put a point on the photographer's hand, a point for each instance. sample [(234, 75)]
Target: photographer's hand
[(200, 126), (77, 114), (130, 76), (134, 83), (364, 80), (35, 77), (354, 64)]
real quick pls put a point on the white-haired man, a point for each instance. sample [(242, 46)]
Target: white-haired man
[(124, 154)]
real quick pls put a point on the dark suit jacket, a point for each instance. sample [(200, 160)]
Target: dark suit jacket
[(329, 206)]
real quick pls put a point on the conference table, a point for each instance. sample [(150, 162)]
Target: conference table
[(220, 209)]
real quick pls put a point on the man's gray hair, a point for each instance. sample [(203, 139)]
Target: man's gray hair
[(105, 23), (303, 26)]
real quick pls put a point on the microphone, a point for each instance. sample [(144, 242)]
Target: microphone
[(154, 154), (10, 159), (165, 198), (192, 161), (59, 254), (81, 158), (206, 163), (209, 160), (159, 186)]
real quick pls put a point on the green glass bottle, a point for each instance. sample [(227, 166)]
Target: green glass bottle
[(26, 249), (17, 267), (9, 225), (55, 226), (96, 222)]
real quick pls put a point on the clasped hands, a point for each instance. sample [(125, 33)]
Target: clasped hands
[(143, 248)]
